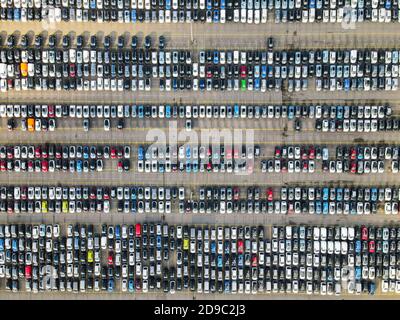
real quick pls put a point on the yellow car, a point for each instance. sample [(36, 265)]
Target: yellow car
[(65, 206), (44, 206), (185, 244), (90, 256)]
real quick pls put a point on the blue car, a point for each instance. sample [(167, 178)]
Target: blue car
[(346, 84), (117, 232), (188, 166), (161, 167), (339, 110), (140, 111), (79, 165), (374, 194), (1, 244), (133, 193), (263, 71), (219, 261), (168, 111), (270, 71), (134, 111), (257, 84), (131, 285), (140, 153), (312, 4), (17, 14), (325, 194), (358, 246), (195, 166), (158, 241), (216, 56), (290, 112), (371, 288), (133, 15), (240, 260), (318, 207), (209, 4), (216, 16), (134, 206), (110, 287), (222, 4), (188, 152), (202, 84), (325, 209), (93, 4), (227, 286), (85, 152), (14, 245), (358, 273), (213, 247), (236, 111), (168, 4), (339, 194)]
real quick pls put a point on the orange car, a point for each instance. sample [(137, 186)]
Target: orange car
[(24, 69), (31, 124)]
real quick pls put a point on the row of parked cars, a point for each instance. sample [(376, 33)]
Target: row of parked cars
[(167, 111), (360, 125), (217, 11), (51, 158), (153, 257), (59, 151), (45, 199), (190, 158), (217, 200), (353, 159), (135, 69)]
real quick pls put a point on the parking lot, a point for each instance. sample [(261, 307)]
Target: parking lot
[(269, 133)]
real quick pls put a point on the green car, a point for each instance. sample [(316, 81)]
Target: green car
[(243, 84)]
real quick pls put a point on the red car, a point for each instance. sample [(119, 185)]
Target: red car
[(28, 272), (236, 154), (113, 153), (353, 153), (72, 70), (270, 194), (236, 193), (110, 258), (209, 166), (45, 166), (3, 165), (243, 71), (371, 246), (311, 152), (138, 230), (353, 167), (277, 152), (120, 167), (254, 261), (51, 111), (38, 152), (10, 152), (364, 233), (240, 246)]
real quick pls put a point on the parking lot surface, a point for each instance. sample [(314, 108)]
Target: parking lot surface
[(268, 133)]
